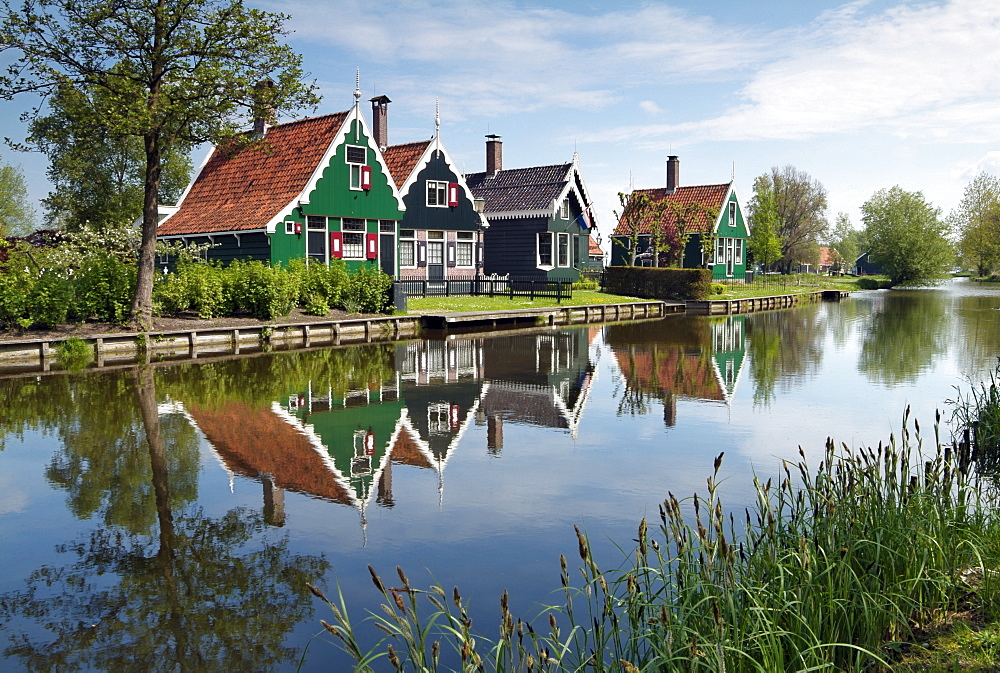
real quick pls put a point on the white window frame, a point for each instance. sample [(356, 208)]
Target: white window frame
[(355, 167), (562, 242), (538, 249), (464, 249), (720, 250), (408, 241), (437, 194), (732, 214), (739, 251), (564, 210), (349, 228)]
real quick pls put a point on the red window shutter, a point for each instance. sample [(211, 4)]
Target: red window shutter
[(371, 241), (336, 244), (366, 178), (452, 194)]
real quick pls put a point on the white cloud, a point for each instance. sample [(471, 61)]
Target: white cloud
[(650, 107), (926, 71), (495, 58)]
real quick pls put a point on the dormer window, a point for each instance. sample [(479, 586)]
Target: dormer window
[(437, 194), (356, 156), (564, 210)]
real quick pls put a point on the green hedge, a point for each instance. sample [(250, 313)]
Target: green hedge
[(654, 283)]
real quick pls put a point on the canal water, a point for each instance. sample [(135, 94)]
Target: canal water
[(175, 513)]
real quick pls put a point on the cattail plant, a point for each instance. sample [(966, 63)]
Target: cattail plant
[(831, 569)]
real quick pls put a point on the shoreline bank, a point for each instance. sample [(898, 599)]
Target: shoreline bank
[(33, 355)]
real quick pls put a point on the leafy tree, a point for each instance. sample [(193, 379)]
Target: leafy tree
[(977, 222), (98, 177), (635, 208), (845, 239), (162, 71), (16, 215), (906, 236), (765, 243), (687, 219), (800, 208)]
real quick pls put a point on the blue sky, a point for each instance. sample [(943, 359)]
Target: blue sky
[(860, 95)]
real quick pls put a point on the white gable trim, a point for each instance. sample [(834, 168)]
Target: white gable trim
[(354, 114)]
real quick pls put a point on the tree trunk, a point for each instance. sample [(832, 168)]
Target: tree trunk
[(142, 301)]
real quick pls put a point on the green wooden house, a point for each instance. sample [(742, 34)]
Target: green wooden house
[(718, 228), (441, 234), (540, 218), (316, 188)]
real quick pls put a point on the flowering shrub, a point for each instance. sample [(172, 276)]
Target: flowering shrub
[(91, 275)]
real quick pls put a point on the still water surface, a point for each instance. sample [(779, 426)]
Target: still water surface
[(174, 514)]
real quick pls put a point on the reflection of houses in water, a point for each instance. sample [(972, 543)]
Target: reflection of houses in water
[(441, 383), (540, 379), (696, 358), (343, 447), (314, 443)]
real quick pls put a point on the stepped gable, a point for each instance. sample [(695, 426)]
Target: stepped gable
[(520, 189), (402, 159), (246, 190), (712, 196)]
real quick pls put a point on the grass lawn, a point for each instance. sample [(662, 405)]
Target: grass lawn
[(455, 304), (790, 284)]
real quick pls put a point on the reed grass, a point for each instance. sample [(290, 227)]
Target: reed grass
[(830, 570)]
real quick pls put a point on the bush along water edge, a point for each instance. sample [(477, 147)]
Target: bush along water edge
[(831, 569)]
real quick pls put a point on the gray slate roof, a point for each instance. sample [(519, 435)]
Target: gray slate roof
[(520, 189)]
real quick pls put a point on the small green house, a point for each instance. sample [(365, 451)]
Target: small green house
[(715, 222), (316, 188)]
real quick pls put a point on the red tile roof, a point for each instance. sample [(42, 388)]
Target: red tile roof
[(711, 196), (595, 249), (825, 256), (401, 159), (246, 190)]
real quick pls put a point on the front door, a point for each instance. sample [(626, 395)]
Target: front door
[(387, 254), (316, 239), (730, 257), (435, 259)]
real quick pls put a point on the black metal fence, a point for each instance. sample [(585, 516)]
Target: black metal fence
[(489, 287)]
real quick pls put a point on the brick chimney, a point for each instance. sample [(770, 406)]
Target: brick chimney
[(494, 154), (264, 112), (380, 121), (673, 173)]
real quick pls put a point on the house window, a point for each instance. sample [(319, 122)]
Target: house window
[(739, 250), (564, 210), (545, 249), (732, 214), (437, 418), (407, 247), (316, 239), (437, 194), (354, 238), (289, 227), (720, 250), (356, 156), (563, 249), (464, 248)]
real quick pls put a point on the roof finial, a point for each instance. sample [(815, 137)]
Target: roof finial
[(357, 86), (437, 117)]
